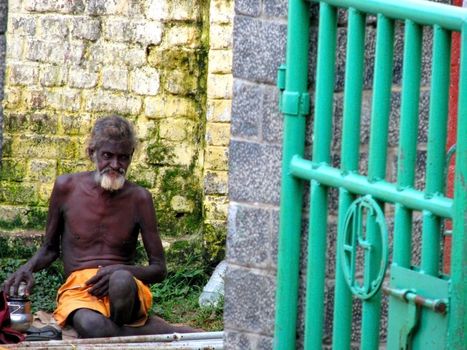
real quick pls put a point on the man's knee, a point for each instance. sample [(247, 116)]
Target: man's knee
[(89, 324), (123, 295), (122, 284)]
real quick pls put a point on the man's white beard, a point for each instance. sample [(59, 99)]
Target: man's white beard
[(108, 182)]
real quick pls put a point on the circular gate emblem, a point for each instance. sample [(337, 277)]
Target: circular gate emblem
[(364, 247)]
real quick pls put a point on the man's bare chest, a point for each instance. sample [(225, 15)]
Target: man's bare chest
[(94, 218)]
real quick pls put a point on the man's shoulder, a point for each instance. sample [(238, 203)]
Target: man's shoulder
[(138, 191), (68, 181)]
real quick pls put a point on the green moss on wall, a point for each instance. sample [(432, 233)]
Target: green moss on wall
[(21, 246), (35, 218), (179, 181), (214, 243), (19, 193), (12, 224), (12, 169), (158, 153)]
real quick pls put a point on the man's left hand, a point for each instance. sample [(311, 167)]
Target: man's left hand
[(100, 281)]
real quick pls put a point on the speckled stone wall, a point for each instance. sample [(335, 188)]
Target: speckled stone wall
[(259, 37), (154, 62)]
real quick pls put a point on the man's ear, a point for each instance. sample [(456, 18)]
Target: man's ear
[(90, 152)]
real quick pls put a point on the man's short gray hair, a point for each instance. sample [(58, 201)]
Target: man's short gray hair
[(111, 128)]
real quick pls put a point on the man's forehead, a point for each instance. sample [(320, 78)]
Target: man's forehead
[(120, 146)]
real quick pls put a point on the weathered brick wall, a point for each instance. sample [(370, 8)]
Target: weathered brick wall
[(71, 62), (255, 164), (219, 104)]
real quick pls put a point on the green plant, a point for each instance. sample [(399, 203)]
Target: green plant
[(47, 283), (180, 281)]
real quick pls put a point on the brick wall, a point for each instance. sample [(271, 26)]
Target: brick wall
[(259, 38), (71, 62), (218, 112)]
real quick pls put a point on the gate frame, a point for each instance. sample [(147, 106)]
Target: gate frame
[(292, 81)]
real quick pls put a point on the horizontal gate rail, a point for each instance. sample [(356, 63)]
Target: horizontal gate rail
[(415, 10), (382, 190)]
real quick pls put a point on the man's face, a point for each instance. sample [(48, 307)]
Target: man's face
[(112, 161)]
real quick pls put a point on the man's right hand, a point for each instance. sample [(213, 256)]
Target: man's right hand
[(11, 285)]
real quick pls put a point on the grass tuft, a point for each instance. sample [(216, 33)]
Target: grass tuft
[(176, 298)]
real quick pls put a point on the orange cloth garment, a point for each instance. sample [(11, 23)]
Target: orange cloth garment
[(73, 295)]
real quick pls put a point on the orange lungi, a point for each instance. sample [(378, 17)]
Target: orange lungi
[(73, 295)]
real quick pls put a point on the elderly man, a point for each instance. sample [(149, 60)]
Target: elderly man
[(94, 221)]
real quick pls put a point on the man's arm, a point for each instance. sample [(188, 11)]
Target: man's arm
[(152, 273), (50, 248)]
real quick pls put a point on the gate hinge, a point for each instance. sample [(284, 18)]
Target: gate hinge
[(291, 102), (295, 103)]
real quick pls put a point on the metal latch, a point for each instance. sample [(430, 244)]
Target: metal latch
[(439, 306), (415, 303)]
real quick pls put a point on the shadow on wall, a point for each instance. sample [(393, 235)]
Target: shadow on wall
[(3, 22)]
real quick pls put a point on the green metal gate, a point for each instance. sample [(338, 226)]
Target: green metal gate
[(427, 310)]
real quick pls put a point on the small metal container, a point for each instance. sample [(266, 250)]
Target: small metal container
[(20, 310), (20, 313)]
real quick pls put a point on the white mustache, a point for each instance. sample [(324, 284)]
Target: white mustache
[(106, 170)]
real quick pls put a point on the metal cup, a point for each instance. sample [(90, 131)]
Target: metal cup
[(20, 309)]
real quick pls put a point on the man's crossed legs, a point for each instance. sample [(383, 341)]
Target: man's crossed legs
[(124, 309)]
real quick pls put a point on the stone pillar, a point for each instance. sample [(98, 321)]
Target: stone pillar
[(3, 25), (254, 174)]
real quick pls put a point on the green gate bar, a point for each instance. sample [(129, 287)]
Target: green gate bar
[(458, 304), (293, 105), (408, 139), (381, 108), (314, 311), (436, 148), (349, 163)]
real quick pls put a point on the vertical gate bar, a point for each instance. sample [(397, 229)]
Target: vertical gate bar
[(314, 312), (436, 156), (349, 163), (316, 267), (292, 188), (381, 107), (458, 308), (381, 104), (408, 139)]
